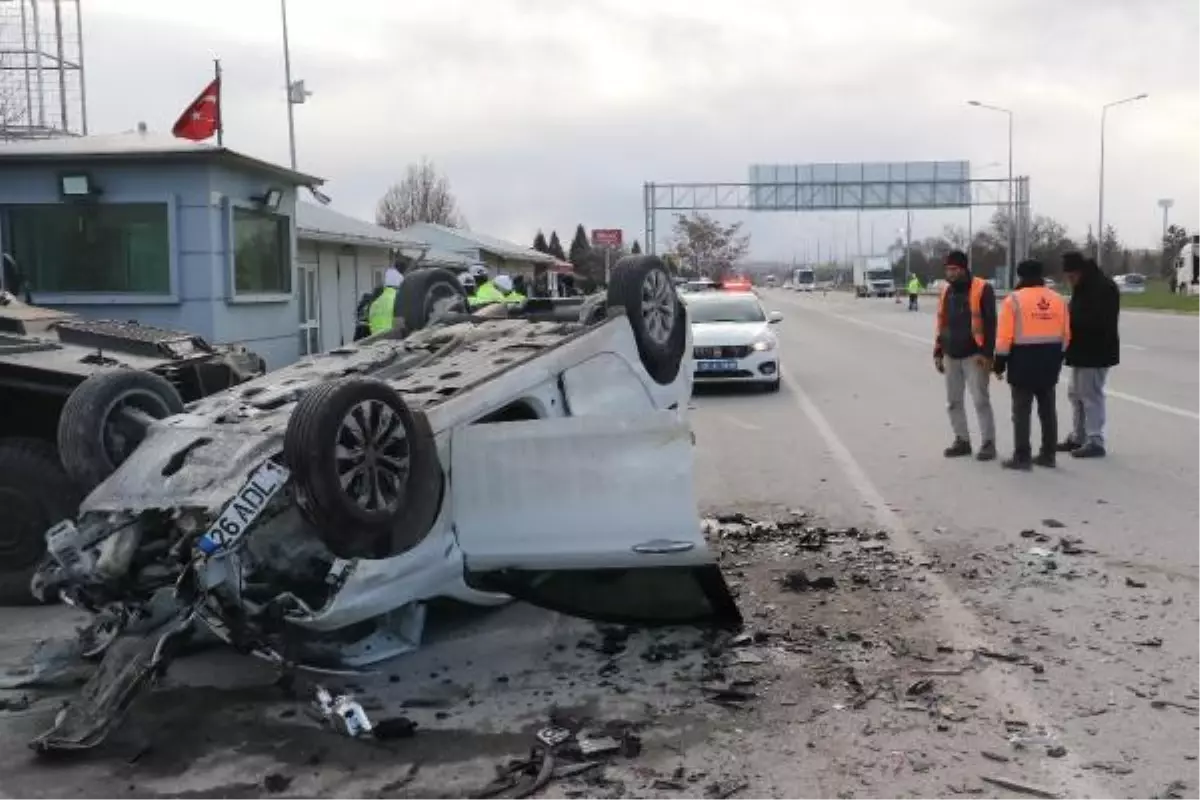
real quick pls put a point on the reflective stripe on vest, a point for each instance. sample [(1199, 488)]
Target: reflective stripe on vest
[(1033, 315), (381, 316), (975, 300)]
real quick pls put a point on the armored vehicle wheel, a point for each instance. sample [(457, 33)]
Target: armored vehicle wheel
[(35, 493), (365, 467), (427, 294), (105, 419), (642, 286)]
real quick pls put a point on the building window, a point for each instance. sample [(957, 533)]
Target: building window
[(262, 262), (93, 248)]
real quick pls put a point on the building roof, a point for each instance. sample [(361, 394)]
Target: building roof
[(321, 224), (481, 241), (138, 146)]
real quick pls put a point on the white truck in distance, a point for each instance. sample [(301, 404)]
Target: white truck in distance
[(804, 279), (873, 277), (1187, 268)]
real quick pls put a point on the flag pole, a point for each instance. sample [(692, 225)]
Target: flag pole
[(220, 115)]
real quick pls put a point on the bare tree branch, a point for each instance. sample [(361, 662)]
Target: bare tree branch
[(422, 196)]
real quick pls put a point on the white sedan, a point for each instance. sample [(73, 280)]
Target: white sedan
[(732, 341)]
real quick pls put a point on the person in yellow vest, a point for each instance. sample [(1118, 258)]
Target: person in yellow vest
[(381, 315), (914, 291), (1032, 335), (962, 351), (488, 292), (507, 287)]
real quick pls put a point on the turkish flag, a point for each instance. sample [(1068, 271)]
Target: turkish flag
[(202, 118)]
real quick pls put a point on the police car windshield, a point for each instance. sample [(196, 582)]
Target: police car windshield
[(725, 308)]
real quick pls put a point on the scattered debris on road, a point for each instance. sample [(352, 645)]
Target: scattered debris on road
[(1018, 786)]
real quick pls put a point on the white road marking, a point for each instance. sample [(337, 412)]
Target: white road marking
[(1129, 346), (1141, 401), (1128, 398), (963, 626), (746, 426)]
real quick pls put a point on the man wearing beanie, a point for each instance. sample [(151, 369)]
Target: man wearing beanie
[(1095, 348), (962, 351), (1032, 333)]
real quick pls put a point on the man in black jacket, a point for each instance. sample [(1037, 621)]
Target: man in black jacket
[(1095, 348)]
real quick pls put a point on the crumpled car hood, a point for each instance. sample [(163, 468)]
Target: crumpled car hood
[(182, 466)]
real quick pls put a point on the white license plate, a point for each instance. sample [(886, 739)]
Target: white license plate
[(727, 365), (239, 514)]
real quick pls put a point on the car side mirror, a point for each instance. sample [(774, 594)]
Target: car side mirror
[(774, 317)]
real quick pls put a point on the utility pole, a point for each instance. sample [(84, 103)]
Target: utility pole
[(1100, 226), (1165, 204), (296, 91)]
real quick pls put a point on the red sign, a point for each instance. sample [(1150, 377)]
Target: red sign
[(607, 237)]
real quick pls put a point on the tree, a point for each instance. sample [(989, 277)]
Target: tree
[(422, 196), (636, 249), (555, 247), (578, 253), (707, 247), (1049, 242), (1173, 242), (1089, 244), (1111, 246), (539, 243)]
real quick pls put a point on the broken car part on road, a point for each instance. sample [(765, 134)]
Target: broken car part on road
[(538, 452), (76, 398)]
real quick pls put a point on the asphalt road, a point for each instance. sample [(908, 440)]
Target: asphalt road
[(854, 437), (856, 434)]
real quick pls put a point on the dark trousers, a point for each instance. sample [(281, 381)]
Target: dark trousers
[(1022, 405), (912, 302)]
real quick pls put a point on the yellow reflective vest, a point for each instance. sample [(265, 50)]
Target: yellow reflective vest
[(514, 297), (486, 293), (381, 315), (914, 285)]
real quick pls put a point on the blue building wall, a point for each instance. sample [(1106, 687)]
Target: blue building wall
[(200, 198)]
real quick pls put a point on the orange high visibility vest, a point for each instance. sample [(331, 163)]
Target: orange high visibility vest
[(1033, 315), (976, 301)]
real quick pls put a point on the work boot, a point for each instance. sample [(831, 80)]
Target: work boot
[(1067, 445), (1090, 450), (1046, 458), (960, 448), (987, 452), (1017, 462)]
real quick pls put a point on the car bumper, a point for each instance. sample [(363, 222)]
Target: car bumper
[(758, 367)]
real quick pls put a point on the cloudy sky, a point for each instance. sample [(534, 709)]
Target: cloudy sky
[(546, 113)]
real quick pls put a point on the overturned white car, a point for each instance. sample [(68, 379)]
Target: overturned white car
[(538, 452)]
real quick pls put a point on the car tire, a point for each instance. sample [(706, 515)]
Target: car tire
[(35, 493), (93, 439), (351, 521), (643, 287), (428, 293), (771, 388)]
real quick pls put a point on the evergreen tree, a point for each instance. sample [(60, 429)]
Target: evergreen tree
[(579, 248), (539, 243), (636, 249), (555, 247)]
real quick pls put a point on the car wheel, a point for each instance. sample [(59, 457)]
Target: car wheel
[(106, 417), (642, 286), (35, 493), (774, 386), (364, 466), (427, 294)]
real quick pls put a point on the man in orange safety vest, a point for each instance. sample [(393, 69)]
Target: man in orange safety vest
[(962, 351), (1033, 332)]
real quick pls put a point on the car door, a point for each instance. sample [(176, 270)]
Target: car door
[(591, 516)]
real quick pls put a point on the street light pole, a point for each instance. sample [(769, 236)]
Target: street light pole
[(287, 76), (1010, 239), (1100, 225)]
